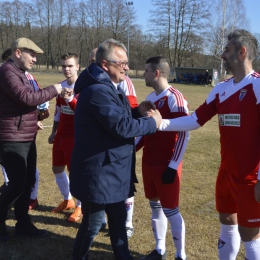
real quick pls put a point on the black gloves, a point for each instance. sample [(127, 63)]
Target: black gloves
[(168, 176)]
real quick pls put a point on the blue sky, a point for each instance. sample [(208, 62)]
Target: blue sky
[(142, 8), (252, 10)]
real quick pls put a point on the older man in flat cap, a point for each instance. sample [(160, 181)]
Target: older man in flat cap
[(18, 126)]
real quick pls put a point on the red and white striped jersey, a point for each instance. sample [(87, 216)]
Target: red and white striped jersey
[(238, 109), (129, 90), (36, 86), (166, 148), (64, 112), (32, 80)]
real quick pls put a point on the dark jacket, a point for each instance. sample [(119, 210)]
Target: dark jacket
[(18, 104), (103, 161)]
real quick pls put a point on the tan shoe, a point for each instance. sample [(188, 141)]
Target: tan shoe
[(76, 215), (64, 205)]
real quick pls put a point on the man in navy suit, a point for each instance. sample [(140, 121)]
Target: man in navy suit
[(102, 172)]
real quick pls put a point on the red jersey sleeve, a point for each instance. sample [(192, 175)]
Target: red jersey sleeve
[(205, 112)]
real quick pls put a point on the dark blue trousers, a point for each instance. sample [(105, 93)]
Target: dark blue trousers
[(91, 223)]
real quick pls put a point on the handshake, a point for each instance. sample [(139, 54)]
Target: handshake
[(66, 93), (147, 108)]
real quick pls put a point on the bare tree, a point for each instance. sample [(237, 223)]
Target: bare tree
[(174, 21), (230, 15), (96, 13), (142, 48), (27, 20), (177, 28), (45, 14), (15, 22), (5, 16), (194, 47), (161, 20), (119, 18), (190, 16), (81, 28)]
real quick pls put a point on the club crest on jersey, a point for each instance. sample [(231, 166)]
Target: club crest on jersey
[(161, 102), (221, 243), (242, 94)]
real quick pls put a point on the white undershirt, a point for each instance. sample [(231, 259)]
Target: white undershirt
[(184, 123)]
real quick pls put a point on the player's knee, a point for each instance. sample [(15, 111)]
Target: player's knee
[(248, 234), (58, 169), (228, 219)]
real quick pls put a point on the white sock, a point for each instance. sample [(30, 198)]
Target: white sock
[(62, 181), (178, 230), (36, 185), (78, 204), (104, 218), (159, 225), (129, 205), (5, 175), (229, 242), (252, 249)]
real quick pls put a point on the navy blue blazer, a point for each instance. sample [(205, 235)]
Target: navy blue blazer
[(103, 161)]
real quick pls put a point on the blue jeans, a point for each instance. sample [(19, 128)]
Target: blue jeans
[(91, 223)]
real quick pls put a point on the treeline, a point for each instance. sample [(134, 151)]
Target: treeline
[(188, 32)]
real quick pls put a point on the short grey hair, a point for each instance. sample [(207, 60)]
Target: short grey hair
[(105, 49), (246, 39)]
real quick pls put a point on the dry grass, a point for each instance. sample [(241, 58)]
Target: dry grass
[(196, 203)]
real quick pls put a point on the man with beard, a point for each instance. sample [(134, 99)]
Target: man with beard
[(237, 103)]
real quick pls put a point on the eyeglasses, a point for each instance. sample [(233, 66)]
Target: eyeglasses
[(122, 64)]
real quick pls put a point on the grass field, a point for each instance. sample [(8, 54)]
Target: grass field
[(200, 166)]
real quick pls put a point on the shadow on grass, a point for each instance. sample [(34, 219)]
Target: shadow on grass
[(53, 219), (55, 245)]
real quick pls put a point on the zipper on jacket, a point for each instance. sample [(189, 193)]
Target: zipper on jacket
[(20, 122)]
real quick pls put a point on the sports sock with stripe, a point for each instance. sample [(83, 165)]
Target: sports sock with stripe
[(178, 230), (159, 225)]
